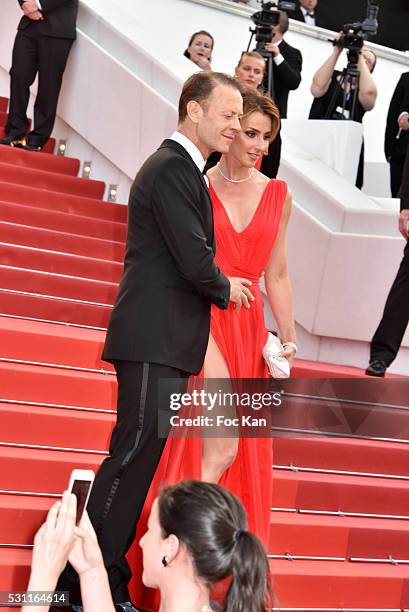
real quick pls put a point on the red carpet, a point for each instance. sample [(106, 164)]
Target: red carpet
[(61, 254)]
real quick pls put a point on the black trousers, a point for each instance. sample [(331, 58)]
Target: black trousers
[(271, 162), (388, 337), (32, 54), (396, 169), (123, 480)]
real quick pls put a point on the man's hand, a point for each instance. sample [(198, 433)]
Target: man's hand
[(31, 10), (404, 122), (274, 49), (240, 295), (403, 223)]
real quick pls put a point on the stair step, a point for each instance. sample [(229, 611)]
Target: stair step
[(14, 570), (41, 471), (26, 383), (301, 585), (47, 343), (53, 309), (39, 160), (47, 148), (55, 427), (46, 283), (63, 202), (62, 222), (63, 242), (338, 536), (340, 493), (60, 263), (343, 454), (4, 102), (22, 517), (51, 180), (342, 585)]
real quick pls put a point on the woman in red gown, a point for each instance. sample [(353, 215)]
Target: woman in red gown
[(251, 214)]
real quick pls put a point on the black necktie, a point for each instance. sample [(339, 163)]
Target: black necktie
[(310, 14)]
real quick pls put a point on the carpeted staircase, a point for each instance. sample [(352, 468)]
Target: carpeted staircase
[(340, 508)]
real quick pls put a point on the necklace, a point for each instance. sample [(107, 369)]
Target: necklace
[(233, 181)]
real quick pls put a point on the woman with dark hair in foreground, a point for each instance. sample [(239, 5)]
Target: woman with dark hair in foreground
[(197, 535)]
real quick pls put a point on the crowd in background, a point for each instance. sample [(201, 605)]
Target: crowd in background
[(337, 96)]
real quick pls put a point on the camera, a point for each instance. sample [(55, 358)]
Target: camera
[(267, 18), (354, 34)]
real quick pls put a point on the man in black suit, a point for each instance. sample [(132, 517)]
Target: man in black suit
[(308, 12), (397, 132), (44, 38), (388, 337), (287, 66), (159, 327)]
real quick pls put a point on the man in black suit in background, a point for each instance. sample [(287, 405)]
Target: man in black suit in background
[(287, 66), (397, 132), (308, 12), (159, 327), (44, 38), (388, 337)]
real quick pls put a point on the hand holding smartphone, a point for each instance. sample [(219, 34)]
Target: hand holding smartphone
[(81, 484)]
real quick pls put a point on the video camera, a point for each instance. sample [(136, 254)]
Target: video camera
[(267, 18), (354, 35)]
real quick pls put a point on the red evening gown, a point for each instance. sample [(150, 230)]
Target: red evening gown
[(240, 337)]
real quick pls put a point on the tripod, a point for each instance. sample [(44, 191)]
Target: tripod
[(349, 82), (262, 37)]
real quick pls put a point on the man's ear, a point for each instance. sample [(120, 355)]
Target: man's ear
[(194, 111)]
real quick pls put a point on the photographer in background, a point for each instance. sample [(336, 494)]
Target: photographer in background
[(329, 89), (389, 335), (287, 66), (397, 132)]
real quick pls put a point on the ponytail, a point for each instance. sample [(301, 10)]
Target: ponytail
[(250, 589)]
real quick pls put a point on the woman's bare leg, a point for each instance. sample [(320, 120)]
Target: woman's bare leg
[(218, 453)]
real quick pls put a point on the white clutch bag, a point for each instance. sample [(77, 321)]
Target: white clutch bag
[(278, 366)]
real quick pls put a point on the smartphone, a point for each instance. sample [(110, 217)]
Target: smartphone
[(81, 484)]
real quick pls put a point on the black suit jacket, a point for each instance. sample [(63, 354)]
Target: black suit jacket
[(395, 148), (286, 76), (170, 279), (60, 17), (299, 16)]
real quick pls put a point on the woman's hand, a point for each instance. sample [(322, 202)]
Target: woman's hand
[(52, 544), (204, 63), (289, 353), (86, 554)]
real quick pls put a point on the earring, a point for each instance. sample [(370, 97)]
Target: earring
[(164, 562)]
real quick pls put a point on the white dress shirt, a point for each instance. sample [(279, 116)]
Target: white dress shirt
[(192, 150), (309, 20), (278, 59)]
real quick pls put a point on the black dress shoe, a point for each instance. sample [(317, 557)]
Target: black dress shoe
[(12, 142), (376, 367), (26, 146)]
